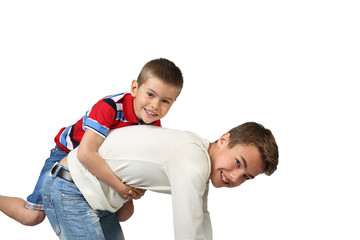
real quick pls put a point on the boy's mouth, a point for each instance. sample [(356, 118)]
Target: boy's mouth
[(150, 113), (223, 178)]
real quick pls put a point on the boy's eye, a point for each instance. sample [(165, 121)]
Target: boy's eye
[(150, 94), (166, 101), (246, 177), (238, 163)]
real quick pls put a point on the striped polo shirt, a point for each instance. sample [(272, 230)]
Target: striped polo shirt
[(111, 112)]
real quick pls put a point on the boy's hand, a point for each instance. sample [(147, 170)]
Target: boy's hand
[(134, 193), (129, 192)]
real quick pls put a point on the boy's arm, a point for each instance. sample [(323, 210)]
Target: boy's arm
[(88, 155)]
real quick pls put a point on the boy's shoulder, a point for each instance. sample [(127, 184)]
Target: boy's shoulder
[(117, 97)]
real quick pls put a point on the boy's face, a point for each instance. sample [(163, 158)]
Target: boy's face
[(232, 167), (153, 99)]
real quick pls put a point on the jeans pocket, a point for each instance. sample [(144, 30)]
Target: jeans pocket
[(51, 214)]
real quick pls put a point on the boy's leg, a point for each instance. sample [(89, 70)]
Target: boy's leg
[(31, 212), (69, 214), (111, 226), (14, 208), (125, 212)]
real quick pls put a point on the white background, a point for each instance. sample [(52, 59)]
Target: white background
[(291, 65)]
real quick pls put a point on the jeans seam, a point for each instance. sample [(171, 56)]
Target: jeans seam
[(79, 218), (55, 216)]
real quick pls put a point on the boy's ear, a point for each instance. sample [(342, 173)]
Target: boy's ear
[(223, 140), (134, 88)]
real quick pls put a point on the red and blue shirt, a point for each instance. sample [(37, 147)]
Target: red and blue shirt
[(111, 112)]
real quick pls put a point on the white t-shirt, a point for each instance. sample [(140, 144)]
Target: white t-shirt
[(158, 159)]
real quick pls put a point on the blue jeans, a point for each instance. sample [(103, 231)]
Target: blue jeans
[(34, 201), (70, 215)]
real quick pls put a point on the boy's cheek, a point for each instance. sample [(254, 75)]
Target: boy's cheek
[(164, 112), (214, 182)]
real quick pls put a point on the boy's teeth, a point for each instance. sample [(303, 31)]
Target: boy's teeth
[(223, 177), (151, 113)]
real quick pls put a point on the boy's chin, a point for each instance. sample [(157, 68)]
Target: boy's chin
[(148, 121), (216, 185)]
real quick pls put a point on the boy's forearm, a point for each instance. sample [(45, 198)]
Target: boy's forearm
[(90, 158), (99, 168)]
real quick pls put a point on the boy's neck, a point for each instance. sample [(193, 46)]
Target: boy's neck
[(211, 150)]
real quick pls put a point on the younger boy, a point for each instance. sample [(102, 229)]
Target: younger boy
[(163, 160), (156, 89)]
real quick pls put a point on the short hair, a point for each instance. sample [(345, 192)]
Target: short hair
[(163, 69), (257, 135)]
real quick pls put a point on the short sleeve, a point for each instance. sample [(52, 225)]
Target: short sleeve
[(101, 117)]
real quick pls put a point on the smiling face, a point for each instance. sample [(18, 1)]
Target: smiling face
[(153, 99), (231, 167)]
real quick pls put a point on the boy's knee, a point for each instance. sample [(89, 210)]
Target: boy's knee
[(32, 217), (125, 212)]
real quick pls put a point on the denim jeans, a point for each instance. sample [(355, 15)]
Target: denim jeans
[(70, 215), (34, 200)]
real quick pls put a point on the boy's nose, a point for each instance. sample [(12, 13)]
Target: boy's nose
[(237, 177), (155, 104)]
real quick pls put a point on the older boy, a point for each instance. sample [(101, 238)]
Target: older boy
[(158, 159), (156, 89)]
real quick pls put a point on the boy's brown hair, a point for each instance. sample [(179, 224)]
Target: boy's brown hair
[(163, 69), (257, 135)]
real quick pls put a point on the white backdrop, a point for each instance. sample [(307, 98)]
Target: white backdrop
[(290, 65)]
